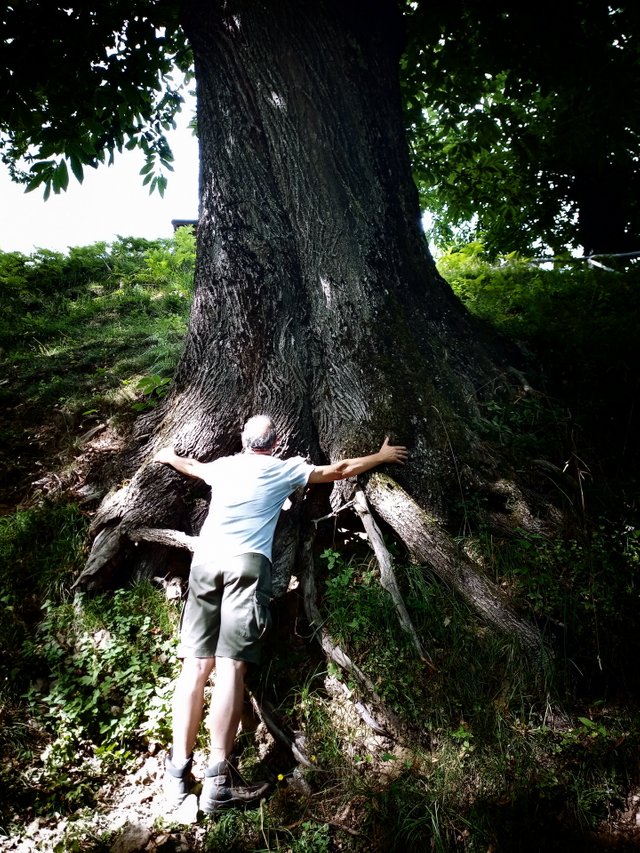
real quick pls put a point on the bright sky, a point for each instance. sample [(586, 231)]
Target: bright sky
[(110, 202)]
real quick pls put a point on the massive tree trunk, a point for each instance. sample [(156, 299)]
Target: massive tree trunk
[(316, 297)]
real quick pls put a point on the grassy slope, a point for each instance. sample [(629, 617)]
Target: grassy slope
[(495, 749)]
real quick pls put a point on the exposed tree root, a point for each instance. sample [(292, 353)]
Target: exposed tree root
[(163, 536), (294, 743), (105, 551), (428, 543), (147, 509), (108, 545), (425, 540), (387, 574)]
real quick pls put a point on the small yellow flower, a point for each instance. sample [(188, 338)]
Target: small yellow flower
[(313, 758), (280, 777)]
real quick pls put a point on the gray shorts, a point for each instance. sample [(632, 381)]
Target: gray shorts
[(227, 609)]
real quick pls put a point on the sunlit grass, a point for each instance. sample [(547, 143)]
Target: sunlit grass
[(72, 349)]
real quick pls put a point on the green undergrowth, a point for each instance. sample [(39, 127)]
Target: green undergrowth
[(496, 738), (100, 669), (40, 550), (583, 592), (105, 664), (577, 329), (85, 682), (492, 738)]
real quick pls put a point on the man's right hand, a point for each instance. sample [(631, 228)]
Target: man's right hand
[(183, 464)]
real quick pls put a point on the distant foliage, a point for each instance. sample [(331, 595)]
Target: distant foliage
[(27, 281), (520, 122), (78, 326), (577, 328)]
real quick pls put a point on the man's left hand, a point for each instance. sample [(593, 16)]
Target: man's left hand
[(395, 453)]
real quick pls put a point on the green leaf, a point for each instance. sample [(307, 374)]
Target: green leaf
[(61, 177), (76, 168), (33, 184)]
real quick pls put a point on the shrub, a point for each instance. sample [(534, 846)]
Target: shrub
[(107, 663)]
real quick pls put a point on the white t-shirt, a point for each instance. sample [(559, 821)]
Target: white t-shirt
[(247, 494)]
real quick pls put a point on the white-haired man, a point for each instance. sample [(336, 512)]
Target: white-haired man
[(226, 612)]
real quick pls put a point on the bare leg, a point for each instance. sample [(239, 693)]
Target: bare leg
[(188, 699), (219, 789), (226, 706)]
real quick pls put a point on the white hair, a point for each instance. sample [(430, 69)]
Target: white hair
[(259, 433)]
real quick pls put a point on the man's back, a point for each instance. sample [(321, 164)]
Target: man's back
[(247, 493)]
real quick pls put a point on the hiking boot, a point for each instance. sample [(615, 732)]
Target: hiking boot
[(178, 782), (220, 792)]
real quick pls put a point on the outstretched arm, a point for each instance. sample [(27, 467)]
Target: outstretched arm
[(352, 467), (184, 464)]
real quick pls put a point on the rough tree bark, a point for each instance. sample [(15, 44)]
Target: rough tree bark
[(316, 297)]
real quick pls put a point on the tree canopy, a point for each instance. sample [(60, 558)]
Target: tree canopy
[(81, 83), (523, 119)]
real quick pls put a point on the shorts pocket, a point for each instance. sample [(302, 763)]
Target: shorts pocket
[(262, 611)]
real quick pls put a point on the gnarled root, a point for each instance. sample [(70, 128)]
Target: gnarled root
[(428, 543), (148, 509)]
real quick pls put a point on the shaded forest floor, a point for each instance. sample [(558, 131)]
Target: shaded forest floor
[(493, 761)]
